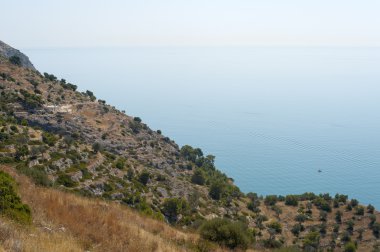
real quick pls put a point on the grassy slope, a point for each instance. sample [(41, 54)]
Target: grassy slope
[(66, 222)]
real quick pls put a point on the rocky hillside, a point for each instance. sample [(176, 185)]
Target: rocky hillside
[(71, 141), (15, 56)]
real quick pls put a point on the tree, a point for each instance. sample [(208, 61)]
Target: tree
[(96, 147), (173, 207), (15, 60), (216, 190)]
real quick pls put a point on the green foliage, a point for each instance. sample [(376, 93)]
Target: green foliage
[(198, 177), (66, 180), (171, 208), (96, 147), (120, 163), (15, 60), (216, 190), (359, 210), (376, 229), (225, 233), (301, 218), (144, 177), (338, 217), (137, 119), (270, 200), (350, 247), (311, 241), (50, 77), (297, 229), (370, 209), (49, 138), (10, 203), (276, 226), (291, 200)]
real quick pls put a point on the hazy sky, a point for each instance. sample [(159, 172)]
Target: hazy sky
[(53, 23)]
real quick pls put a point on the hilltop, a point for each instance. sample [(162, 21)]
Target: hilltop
[(83, 155)]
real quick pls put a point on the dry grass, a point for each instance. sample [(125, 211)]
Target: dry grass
[(96, 225)]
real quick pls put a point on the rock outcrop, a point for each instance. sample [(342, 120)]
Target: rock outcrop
[(7, 51)]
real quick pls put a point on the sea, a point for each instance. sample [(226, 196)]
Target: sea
[(280, 120)]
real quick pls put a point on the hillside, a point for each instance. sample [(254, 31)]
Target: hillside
[(91, 164)]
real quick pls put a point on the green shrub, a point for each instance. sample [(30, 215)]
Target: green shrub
[(10, 203), (198, 177), (276, 226), (144, 177), (15, 60), (270, 200), (225, 233), (65, 180), (350, 247), (291, 200)]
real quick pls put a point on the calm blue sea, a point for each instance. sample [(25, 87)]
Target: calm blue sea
[(273, 117)]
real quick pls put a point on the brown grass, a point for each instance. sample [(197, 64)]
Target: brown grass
[(96, 225)]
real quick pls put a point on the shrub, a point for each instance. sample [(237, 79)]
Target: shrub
[(291, 200), (276, 226), (359, 210), (65, 180), (350, 247), (198, 177), (338, 217), (144, 177), (370, 209), (137, 119), (376, 229), (225, 233), (10, 203), (297, 229), (311, 241), (270, 200), (15, 60), (96, 147)]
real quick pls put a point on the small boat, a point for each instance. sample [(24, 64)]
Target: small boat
[(319, 171)]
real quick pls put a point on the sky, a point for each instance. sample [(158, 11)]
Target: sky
[(114, 23)]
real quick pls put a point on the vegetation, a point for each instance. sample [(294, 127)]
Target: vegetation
[(225, 233), (10, 203)]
